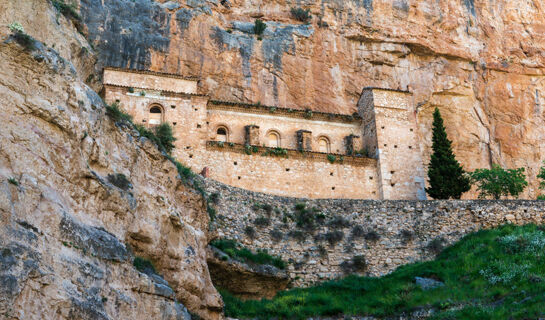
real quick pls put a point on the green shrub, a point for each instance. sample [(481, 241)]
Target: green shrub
[(164, 135), (358, 232), (301, 14), (131, 90), (339, 222), (541, 177), (13, 181), (215, 197), (19, 35), (262, 221), (334, 237), (67, 10), (259, 27), (249, 231), (331, 158), (119, 180), (143, 93), (116, 114), (211, 213), (300, 206), (268, 208), (143, 265), (371, 235), (497, 182), (437, 245), (406, 235), (276, 235), (298, 235), (238, 252)]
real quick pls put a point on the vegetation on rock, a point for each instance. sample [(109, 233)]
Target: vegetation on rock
[(18, 33), (497, 182), (446, 176), (490, 274), (238, 252), (541, 177), (301, 14), (259, 27)]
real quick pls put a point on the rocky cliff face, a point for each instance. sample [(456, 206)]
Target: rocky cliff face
[(81, 196), (479, 62)]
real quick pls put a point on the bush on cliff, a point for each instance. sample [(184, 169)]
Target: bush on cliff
[(238, 252), (490, 274), (497, 182), (301, 14), (446, 176)]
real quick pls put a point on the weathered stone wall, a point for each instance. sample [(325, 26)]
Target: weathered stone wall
[(310, 175), (149, 80), (394, 232), (394, 140)]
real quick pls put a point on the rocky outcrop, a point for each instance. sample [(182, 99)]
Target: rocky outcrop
[(245, 280), (479, 62), (81, 196)]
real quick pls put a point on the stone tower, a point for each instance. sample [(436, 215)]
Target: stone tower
[(389, 134)]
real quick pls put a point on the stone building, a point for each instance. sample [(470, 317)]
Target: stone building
[(373, 154)]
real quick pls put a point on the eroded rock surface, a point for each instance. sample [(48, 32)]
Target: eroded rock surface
[(247, 281), (68, 230), (479, 62)]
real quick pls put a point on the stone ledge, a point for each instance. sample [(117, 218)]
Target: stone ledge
[(291, 154)]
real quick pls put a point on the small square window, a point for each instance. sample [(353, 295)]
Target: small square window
[(143, 120), (410, 147), (198, 125), (395, 146), (331, 173), (174, 123), (411, 130), (238, 177), (173, 106), (385, 144), (332, 188), (190, 156), (287, 169), (235, 163)]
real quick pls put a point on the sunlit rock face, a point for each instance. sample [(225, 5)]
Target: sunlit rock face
[(82, 196), (480, 63)]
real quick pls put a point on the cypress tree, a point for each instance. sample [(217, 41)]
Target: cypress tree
[(446, 176)]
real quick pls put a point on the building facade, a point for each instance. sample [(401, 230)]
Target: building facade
[(373, 154)]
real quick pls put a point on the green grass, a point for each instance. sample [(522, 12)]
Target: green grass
[(238, 252), (491, 274)]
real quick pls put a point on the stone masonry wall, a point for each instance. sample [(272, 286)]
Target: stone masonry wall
[(387, 233)]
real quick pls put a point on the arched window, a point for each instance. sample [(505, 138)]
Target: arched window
[(324, 145), (155, 115), (273, 139), (221, 134)]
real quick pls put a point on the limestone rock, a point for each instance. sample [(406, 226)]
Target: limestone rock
[(427, 283), (247, 281), (68, 233), (476, 61)]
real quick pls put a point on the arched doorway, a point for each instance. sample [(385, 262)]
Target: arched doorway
[(155, 115)]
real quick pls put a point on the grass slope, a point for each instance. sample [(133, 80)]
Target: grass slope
[(490, 274)]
